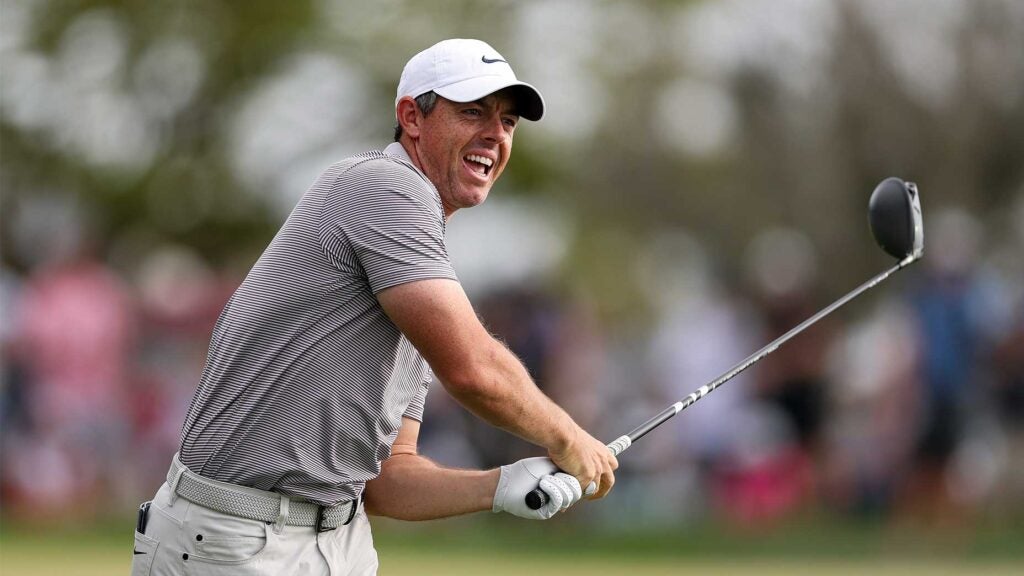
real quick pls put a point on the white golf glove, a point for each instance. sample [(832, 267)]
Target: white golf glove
[(519, 479)]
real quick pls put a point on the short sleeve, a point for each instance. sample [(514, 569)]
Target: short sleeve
[(416, 406), (390, 219)]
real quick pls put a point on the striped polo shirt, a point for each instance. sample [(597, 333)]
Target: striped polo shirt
[(307, 379)]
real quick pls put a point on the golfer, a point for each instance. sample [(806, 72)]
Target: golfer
[(307, 414)]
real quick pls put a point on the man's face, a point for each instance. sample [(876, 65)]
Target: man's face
[(464, 147)]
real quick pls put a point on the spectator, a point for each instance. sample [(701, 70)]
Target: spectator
[(75, 344)]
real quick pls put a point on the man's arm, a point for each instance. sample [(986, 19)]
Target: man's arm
[(411, 487), (487, 379)]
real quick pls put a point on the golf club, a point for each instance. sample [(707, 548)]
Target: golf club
[(894, 216)]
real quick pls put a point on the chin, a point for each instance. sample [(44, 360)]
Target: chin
[(474, 203), (474, 198)]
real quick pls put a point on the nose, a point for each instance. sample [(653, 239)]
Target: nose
[(494, 130)]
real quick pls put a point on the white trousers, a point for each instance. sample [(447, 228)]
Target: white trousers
[(185, 538)]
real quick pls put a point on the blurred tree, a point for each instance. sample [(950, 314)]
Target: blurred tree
[(184, 190), (874, 91), (199, 122)]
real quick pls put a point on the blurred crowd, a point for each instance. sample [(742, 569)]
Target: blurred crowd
[(910, 406), (907, 406), (99, 365)]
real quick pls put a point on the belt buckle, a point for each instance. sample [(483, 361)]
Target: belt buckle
[(353, 507), (320, 520)]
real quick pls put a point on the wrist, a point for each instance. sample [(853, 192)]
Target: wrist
[(564, 441), (489, 490)]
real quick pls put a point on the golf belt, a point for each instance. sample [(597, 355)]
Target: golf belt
[(254, 504)]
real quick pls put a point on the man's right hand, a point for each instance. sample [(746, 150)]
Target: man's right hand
[(588, 460)]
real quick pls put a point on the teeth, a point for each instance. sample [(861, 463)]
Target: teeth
[(485, 161)]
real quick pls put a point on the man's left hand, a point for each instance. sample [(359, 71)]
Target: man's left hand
[(519, 479)]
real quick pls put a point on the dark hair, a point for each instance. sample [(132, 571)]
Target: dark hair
[(426, 103)]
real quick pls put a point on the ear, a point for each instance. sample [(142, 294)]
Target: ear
[(409, 116)]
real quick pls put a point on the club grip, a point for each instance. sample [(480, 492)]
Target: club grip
[(537, 498)]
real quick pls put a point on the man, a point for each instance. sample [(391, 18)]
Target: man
[(309, 407)]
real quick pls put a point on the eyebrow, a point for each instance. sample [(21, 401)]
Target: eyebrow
[(513, 110)]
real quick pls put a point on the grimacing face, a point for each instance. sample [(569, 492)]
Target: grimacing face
[(463, 147)]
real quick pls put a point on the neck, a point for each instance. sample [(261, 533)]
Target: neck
[(410, 148)]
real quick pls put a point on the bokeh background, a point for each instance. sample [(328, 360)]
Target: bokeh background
[(697, 187)]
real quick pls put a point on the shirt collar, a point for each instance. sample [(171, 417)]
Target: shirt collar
[(397, 150)]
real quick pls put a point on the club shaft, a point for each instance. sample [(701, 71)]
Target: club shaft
[(538, 498), (749, 361)]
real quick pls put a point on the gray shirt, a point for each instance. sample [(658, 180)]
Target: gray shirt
[(307, 379)]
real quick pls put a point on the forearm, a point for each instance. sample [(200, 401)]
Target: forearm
[(411, 487), (486, 378), (499, 390)]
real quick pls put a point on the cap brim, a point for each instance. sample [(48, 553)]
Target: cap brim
[(529, 102)]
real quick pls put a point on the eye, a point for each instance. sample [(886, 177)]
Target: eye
[(510, 121), (472, 111)]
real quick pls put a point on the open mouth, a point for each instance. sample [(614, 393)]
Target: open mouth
[(479, 164)]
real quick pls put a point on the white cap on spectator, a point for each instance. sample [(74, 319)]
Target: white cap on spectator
[(464, 70)]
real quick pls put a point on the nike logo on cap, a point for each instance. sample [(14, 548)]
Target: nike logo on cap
[(136, 552), (487, 60)]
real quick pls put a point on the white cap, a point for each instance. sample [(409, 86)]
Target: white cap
[(463, 71)]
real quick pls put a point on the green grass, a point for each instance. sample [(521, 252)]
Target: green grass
[(496, 546)]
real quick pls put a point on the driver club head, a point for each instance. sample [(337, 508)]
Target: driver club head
[(894, 214)]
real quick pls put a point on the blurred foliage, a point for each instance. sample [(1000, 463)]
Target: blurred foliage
[(240, 42), (803, 153)]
